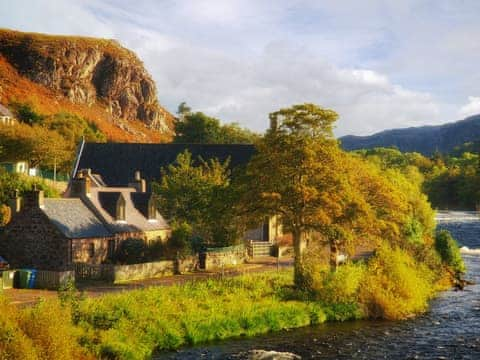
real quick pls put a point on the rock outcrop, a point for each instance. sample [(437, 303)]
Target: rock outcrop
[(88, 71)]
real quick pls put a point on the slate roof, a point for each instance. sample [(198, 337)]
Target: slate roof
[(117, 162), (5, 112), (74, 219), (104, 200)]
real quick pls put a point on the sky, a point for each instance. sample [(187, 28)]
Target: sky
[(379, 64)]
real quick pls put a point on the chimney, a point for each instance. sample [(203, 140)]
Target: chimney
[(15, 203), (33, 198), (139, 184), (80, 186)]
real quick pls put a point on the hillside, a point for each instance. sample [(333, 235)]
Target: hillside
[(425, 140), (94, 78)]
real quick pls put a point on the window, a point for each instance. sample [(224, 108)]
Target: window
[(91, 250)]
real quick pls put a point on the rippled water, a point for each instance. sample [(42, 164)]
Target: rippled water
[(451, 329)]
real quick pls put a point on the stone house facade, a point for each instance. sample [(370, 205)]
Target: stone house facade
[(86, 227), (44, 233)]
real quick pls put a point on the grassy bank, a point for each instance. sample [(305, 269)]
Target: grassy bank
[(135, 324)]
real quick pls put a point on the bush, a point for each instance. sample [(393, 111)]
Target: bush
[(131, 251), (180, 242), (395, 285), (44, 331), (341, 286), (447, 247)]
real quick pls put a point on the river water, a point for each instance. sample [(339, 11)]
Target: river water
[(450, 330)]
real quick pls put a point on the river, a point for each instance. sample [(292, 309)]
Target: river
[(450, 330)]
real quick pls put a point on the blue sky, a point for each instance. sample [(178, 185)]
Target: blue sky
[(379, 63)]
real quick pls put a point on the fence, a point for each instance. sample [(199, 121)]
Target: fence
[(53, 279), (94, 272), (259, 248)]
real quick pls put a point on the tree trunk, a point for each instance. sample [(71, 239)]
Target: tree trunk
[(333, 255), (299, 245)]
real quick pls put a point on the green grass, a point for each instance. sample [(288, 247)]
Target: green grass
[(134, 325)]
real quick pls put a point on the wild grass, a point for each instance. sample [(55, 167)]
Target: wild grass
[(136, 324)]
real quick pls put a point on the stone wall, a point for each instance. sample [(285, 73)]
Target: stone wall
[(31, 241), (143, 271), (228, 257)]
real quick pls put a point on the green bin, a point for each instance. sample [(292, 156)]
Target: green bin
[(7, 277)]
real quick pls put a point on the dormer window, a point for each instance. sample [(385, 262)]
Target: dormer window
[(152, 209), (120, 213)]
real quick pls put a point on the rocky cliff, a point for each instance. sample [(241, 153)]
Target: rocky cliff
[(88, 71)]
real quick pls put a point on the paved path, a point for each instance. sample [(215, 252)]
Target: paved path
[(25, 297)]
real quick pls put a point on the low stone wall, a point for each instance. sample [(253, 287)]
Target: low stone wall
[(143, 270), (218, 258), (187, 264)]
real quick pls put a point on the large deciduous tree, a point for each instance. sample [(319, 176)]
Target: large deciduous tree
[(301, 174), (294, 172)]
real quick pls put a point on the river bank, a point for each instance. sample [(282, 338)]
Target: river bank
[(449, 330)]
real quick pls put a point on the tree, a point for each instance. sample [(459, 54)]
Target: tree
[(202, 129), (183, 109), (295, 172), (201, 194), (36, 144), (301, 174), (26, 113)]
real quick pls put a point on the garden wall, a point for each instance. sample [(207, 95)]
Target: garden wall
[(216, 258)]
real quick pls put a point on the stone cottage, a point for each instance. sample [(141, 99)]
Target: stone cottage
[(85, 227), (50, 234)]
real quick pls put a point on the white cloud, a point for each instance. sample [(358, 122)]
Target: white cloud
[(379, 64), (246, 91), (470, 108)]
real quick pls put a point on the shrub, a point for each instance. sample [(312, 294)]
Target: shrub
[(341, 286), (395, 285), (180, 242), (447, 247), (44, 331), (131, 251)]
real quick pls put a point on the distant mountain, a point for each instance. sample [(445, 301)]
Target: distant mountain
[(425, 139)]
